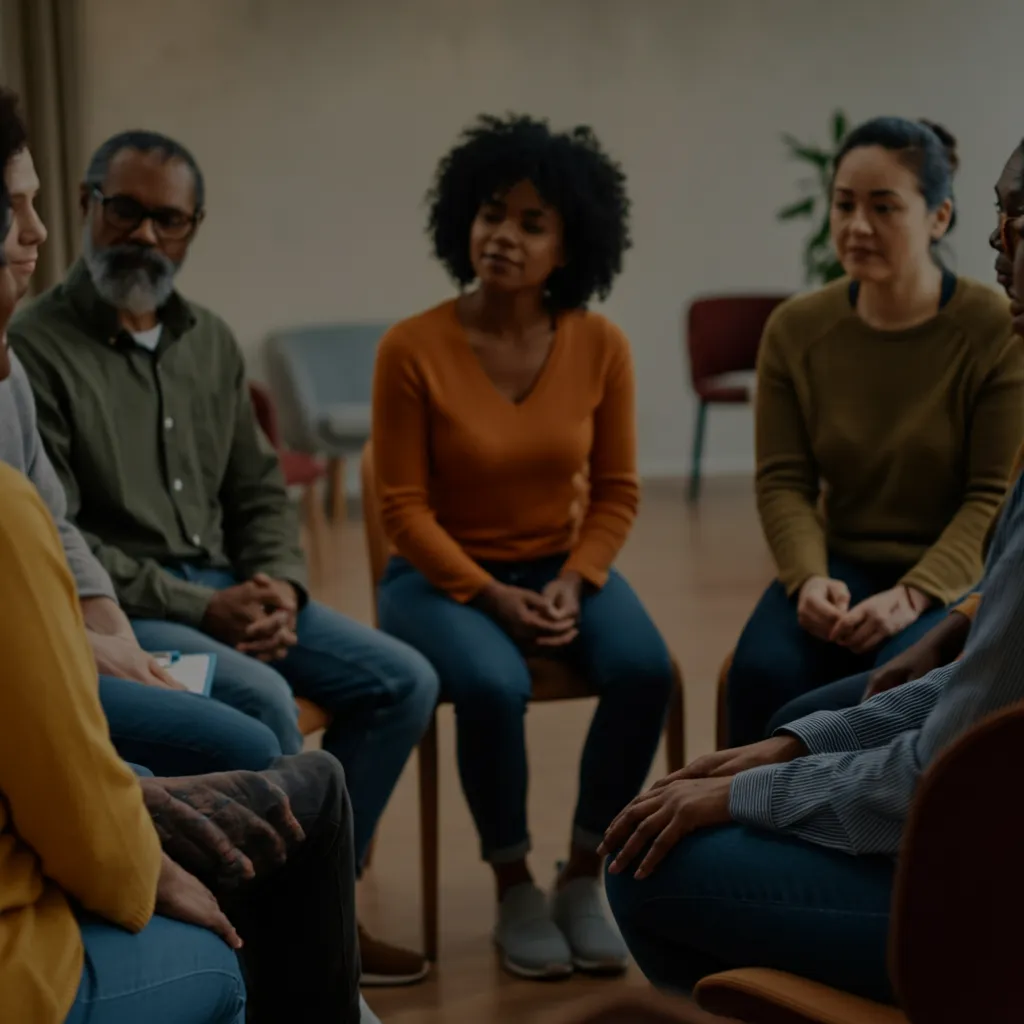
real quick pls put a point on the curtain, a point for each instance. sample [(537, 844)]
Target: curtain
[(39, 60)]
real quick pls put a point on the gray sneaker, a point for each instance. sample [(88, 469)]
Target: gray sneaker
[(530, 944), (596, 945)]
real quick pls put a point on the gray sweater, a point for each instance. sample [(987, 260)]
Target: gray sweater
[(21, 447)]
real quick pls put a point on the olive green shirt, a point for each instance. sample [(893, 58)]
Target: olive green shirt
[(887, 448), (159, 452)]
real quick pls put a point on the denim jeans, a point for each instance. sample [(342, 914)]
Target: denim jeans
[(486, 677), (777, 660), (170, 973), (735, 897), (381, 693), (843, 693), (174, 733), (300, 958)]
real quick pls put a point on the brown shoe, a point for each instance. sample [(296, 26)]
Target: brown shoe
[(385, 965)]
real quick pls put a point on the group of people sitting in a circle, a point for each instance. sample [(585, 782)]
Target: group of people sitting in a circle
[(172, 857)]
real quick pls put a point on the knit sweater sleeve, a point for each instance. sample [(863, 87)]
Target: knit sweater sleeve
[(995, 425), (787, 476)]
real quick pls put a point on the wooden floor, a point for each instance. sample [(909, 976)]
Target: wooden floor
[(699, 571)]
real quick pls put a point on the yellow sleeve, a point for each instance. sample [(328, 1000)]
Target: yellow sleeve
[(787, 481), (968, 607), (71, 798)]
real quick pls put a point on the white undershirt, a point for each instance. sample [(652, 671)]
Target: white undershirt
[(148, 339)]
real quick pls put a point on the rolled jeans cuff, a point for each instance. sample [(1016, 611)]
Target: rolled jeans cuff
[(508, 854)]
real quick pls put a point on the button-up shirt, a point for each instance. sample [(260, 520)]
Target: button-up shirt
[(159, 452)]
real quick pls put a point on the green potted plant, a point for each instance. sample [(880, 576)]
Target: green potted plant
[(820, 262)]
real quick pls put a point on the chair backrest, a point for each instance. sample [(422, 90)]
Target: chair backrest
[(723, 332), (957, 939), (378, 549), (266, 414), (315, 369)]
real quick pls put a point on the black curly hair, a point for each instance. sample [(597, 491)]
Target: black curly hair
[(572, 173)]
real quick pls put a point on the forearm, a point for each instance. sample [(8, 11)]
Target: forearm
[(874, 723), (855, 802), (794, 533), (604, 530), (104, 616), (953, 564), (428, 547)]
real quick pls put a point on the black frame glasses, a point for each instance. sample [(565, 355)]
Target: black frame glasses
[(123, 213)]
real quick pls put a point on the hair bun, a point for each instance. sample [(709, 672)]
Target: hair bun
[(948, 140)]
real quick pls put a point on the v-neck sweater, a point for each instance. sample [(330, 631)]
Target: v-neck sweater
[(467, 476)]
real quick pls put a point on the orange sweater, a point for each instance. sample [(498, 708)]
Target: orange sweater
[(467, 476)]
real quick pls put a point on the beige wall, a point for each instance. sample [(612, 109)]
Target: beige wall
[(318, 124)]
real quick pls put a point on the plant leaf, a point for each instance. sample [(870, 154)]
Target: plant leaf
[(811, 154), (801, 208), (839, 127)]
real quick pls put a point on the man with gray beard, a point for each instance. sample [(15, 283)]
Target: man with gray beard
[(144, 409)]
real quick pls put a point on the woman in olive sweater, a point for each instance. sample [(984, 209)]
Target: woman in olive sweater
[(890, 405)]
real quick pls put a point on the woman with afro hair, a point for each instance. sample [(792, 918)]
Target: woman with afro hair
[(494, 413)]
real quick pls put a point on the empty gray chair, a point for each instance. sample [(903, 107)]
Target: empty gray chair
[(321, 378)]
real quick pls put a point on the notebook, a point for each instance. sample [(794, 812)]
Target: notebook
[(193, 671)]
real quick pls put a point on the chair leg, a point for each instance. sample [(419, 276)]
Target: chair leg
[(429, 838), (675, 724), (336, 499), (698, 450)]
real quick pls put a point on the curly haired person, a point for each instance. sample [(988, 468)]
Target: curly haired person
[(488, 409)]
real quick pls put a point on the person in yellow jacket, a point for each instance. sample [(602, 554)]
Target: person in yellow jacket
[(103, 916)]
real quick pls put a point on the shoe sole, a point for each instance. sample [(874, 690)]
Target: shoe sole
[(600, 968), (393, 980), (553, 972)]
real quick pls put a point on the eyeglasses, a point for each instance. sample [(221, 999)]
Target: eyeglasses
[(125, 214), (1010, 228)]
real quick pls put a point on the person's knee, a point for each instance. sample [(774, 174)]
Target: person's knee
[(417, 687), (489, 691), (315, 784), (263, 693), (249, 746), (644, 670)]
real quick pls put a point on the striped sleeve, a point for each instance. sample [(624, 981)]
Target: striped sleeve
[(873, 723), (857, 801)]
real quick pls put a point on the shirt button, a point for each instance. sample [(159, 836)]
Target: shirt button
[(169, 423), (197, 540), (177, 485)]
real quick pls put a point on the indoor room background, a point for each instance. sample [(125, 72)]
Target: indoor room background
[(319, 123)]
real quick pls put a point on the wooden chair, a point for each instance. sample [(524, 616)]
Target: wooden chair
[(955, 939), (723, 334), (552, 680)]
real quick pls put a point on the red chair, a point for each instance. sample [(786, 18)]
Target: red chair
[(722, 336), (300, 470)]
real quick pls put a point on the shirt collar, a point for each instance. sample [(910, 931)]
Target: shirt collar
[(175, 314)]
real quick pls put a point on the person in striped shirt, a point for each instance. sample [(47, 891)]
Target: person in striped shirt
[(798, 873)]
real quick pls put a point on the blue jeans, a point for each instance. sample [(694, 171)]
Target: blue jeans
[(776, 660), (486, 677), (170, 973), (174, 733), (381, 693), (734, 897), (844, 693)]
